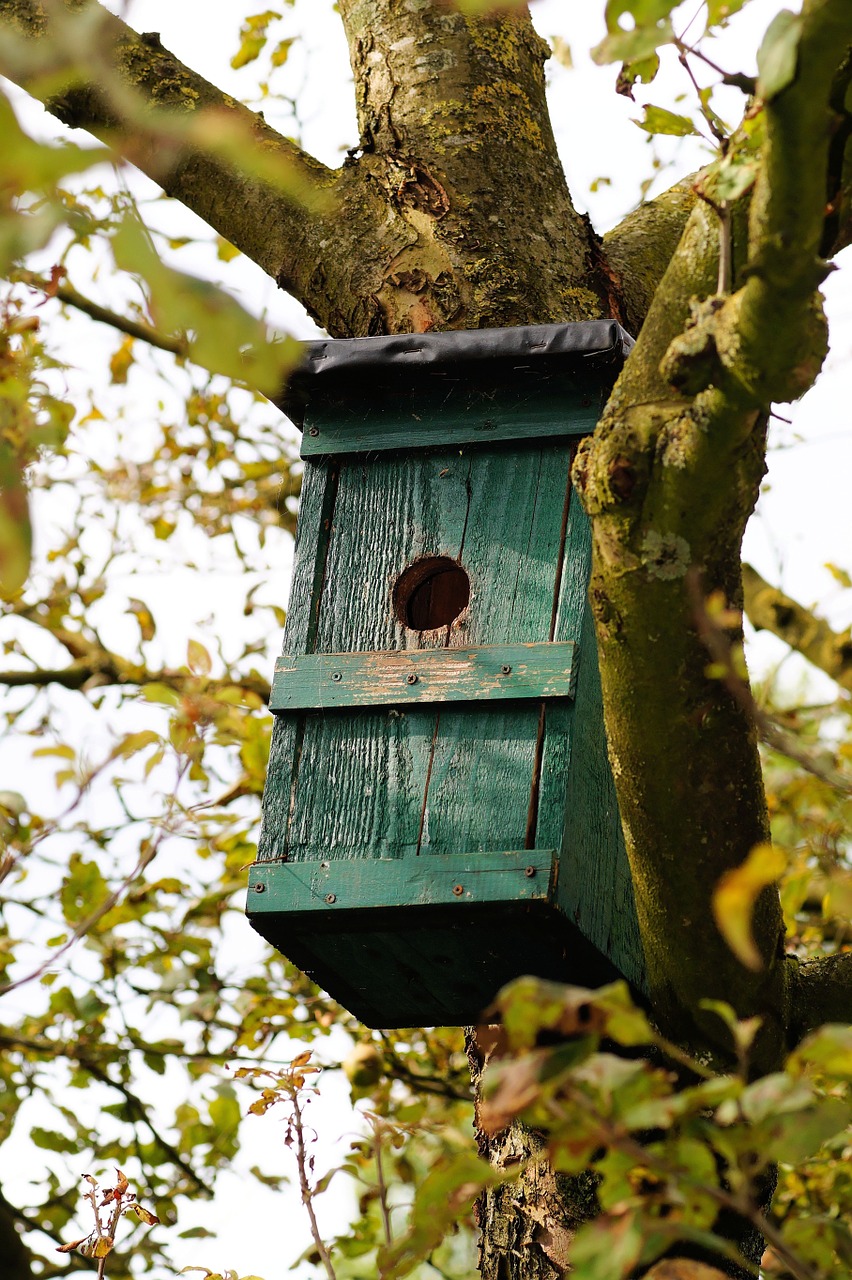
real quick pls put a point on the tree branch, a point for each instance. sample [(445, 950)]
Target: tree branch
[(103, 668), (639, 250), (670, 478), (133, 328), (820, 992), (769, 609)]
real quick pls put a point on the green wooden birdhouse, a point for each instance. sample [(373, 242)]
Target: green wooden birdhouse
[(439, 814)]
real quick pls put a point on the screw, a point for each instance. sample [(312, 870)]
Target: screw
[(458, 890), (331, 898), (505, 670), (529, 871), (314, 431), (260, 888), (336, 676), (411, 679)]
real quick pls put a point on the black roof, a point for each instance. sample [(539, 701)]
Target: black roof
[(336, 366)]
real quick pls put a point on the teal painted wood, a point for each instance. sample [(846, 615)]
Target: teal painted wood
[(578, 792), (484, 759), (362, 778), (453, 413), (337, 885), (319, 488), (320, 681)]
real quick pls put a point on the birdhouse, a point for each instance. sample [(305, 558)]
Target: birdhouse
[(439, 814)]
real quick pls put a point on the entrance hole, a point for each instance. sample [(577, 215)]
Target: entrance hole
[(431, 593)]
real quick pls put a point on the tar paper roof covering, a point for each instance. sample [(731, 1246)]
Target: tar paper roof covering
[(334, 367)]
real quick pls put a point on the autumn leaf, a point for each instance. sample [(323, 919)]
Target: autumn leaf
[(735, 896)]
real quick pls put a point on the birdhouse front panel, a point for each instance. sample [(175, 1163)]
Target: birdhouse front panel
[(419, 848)]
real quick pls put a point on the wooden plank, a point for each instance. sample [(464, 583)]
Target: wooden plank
[(319, 487), (484, 758), (412, 676), (340, 886), (577, 791), (454, 413), (363, 776)]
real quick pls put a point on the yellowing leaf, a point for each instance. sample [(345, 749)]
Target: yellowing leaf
[(735, 896), (121, 360), (197, 658), (225, 251), (144, 1215), (144, 617), (659, 120)]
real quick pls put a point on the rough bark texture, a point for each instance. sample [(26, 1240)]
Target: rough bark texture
[(454, 213)]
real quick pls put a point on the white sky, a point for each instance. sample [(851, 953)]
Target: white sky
[(803, 519)]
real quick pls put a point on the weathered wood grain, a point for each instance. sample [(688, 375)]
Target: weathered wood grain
[(499, 672), (595, 888), (319, 489), (484, 760), (363, 778)]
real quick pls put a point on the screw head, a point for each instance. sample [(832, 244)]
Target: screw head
[(260, 888), (331, 898), (411, 678), (505, 670), (313, 431), (529, 871), (337, 676), (458, 890)]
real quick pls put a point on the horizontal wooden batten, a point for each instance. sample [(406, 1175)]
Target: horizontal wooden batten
[(319, 681), (407, 428), (376, 884)]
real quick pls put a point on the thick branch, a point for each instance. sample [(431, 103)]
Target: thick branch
[(769, 609), (821, 991), (639, 250), (94, 72), (670, 479)]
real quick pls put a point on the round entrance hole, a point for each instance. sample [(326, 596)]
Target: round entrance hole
[(431, 593)]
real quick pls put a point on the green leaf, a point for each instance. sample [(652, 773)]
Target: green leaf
[(16, 535), (253, 37), (642, 69), (829, 1048), (222, 336), (719, 11), (777, 57), (659, 120)]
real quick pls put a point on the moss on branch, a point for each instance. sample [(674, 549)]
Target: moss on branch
[(686, 424), (769, 609)]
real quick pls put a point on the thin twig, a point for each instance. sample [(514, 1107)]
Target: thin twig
[(305, 1186), (380, 1179), (110, 901), (133, 328)]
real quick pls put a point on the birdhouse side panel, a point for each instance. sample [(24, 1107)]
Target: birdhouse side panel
[(316, 507), (579, 811)]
